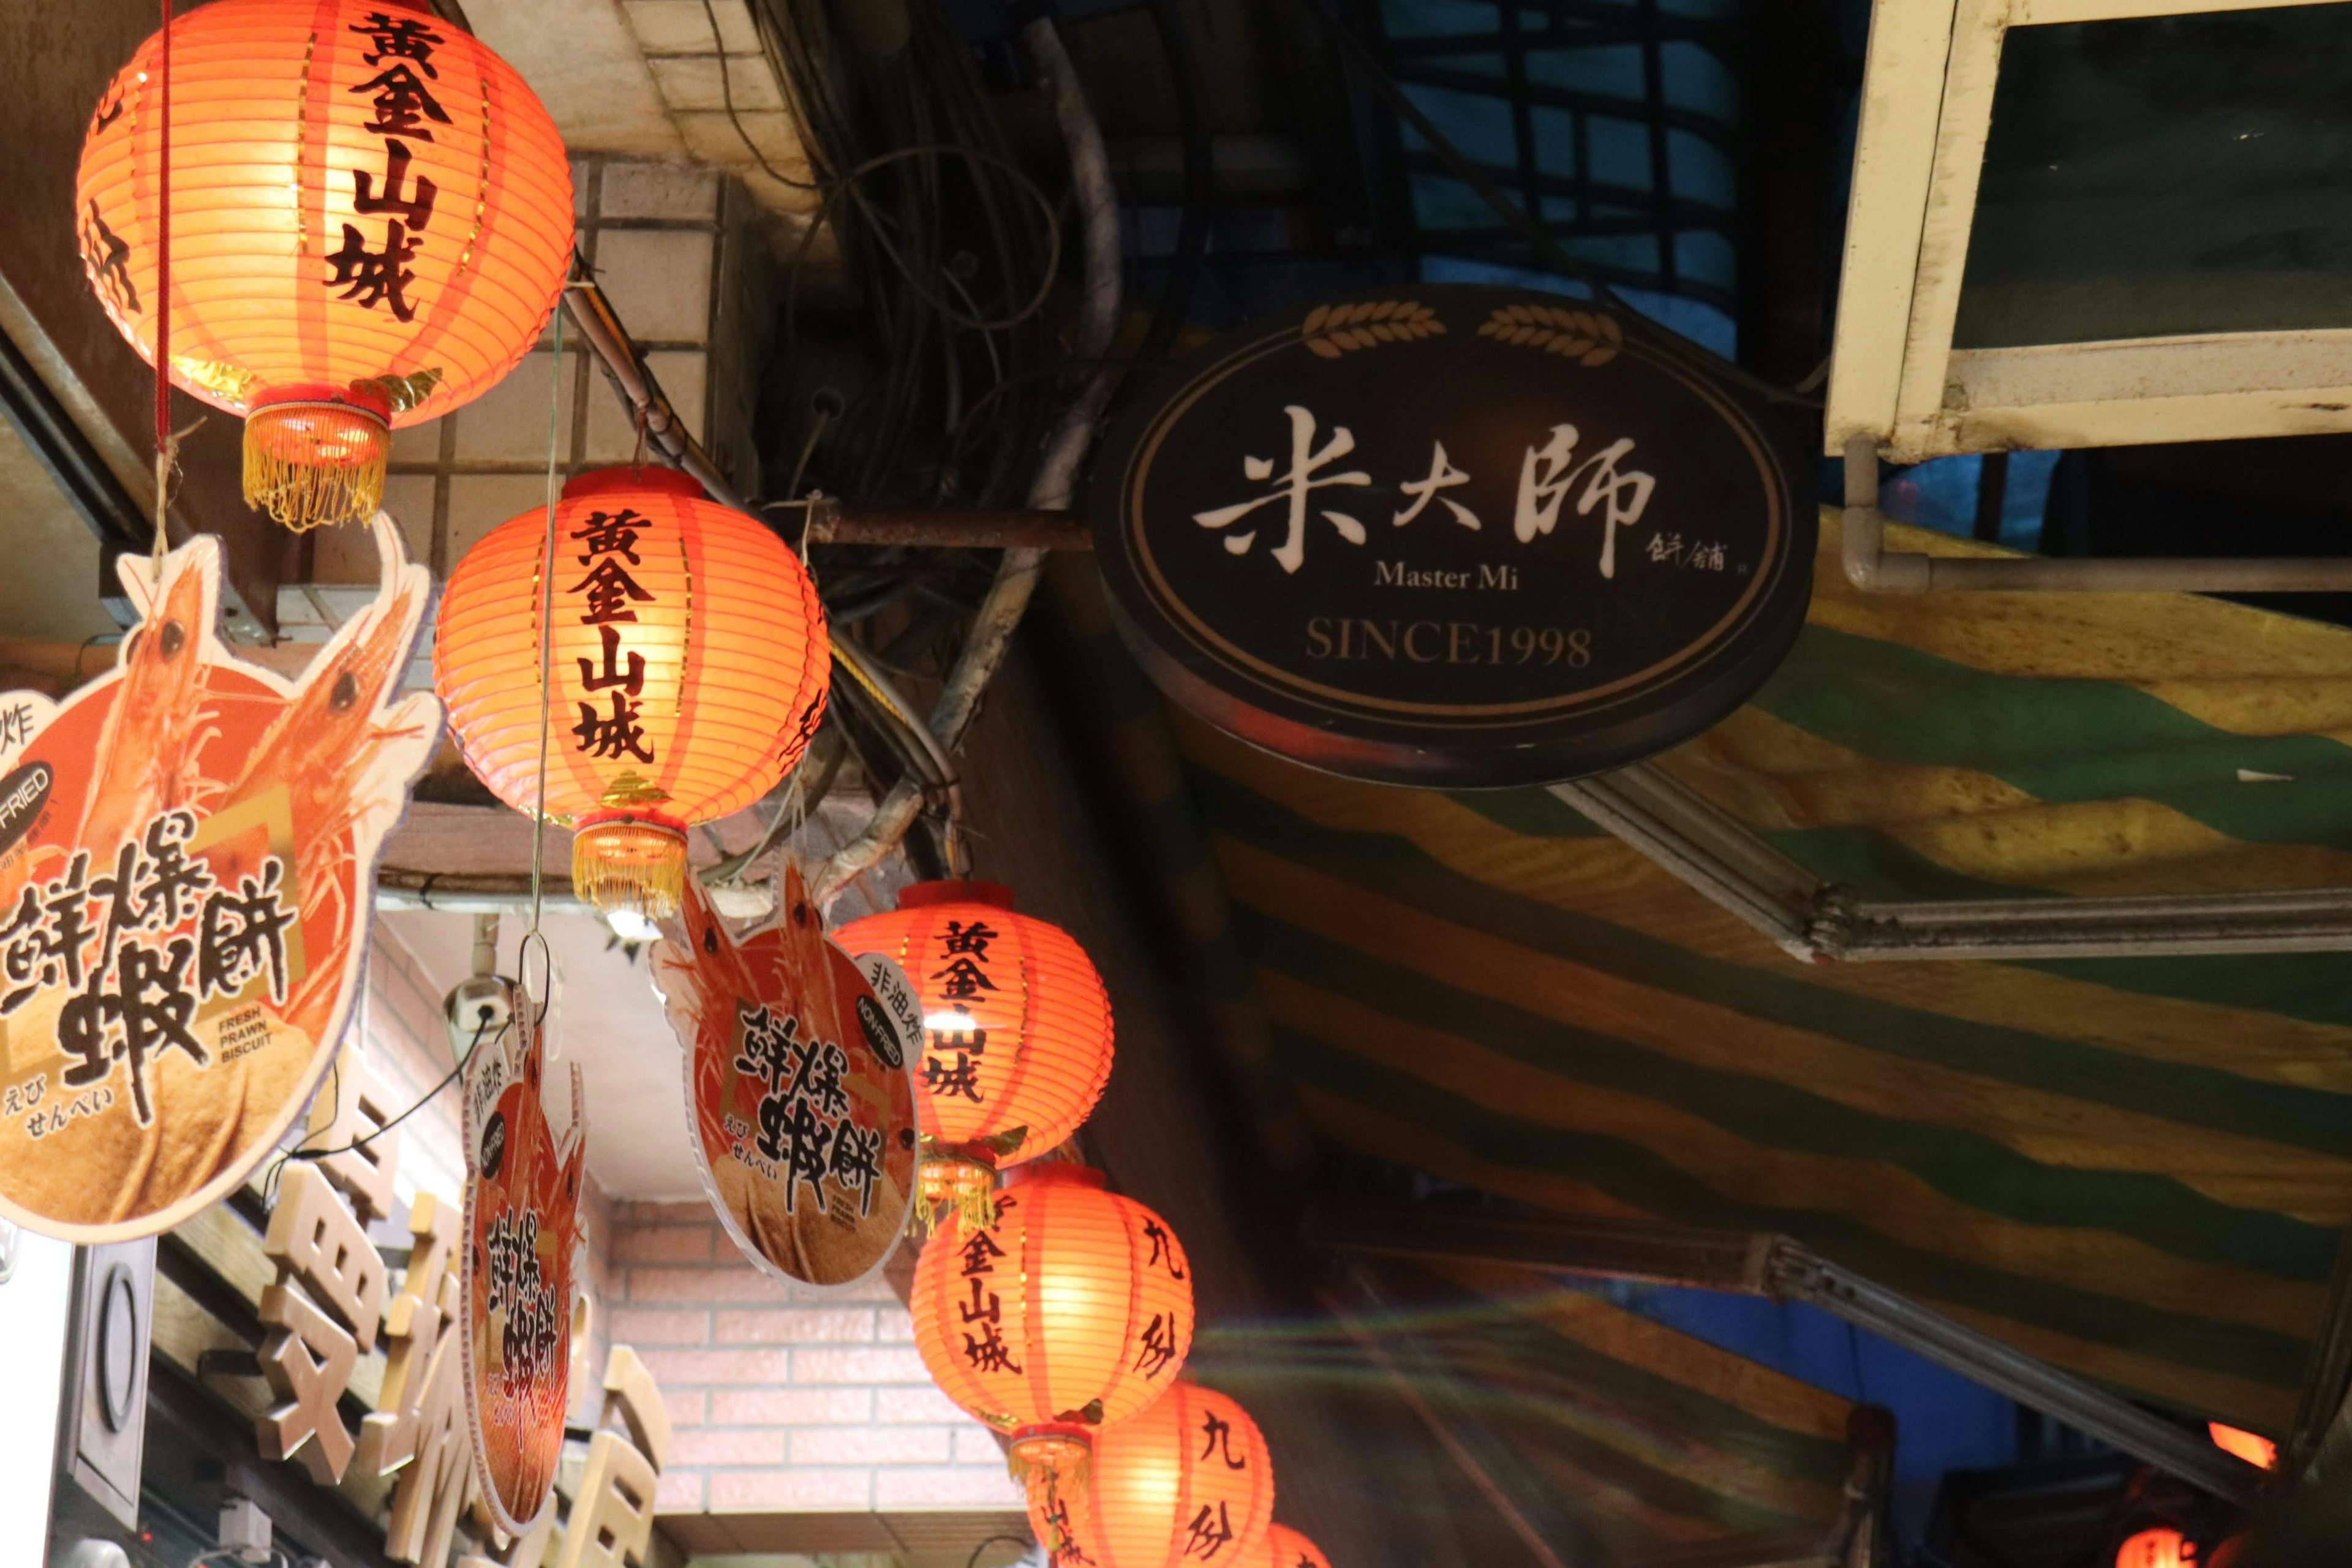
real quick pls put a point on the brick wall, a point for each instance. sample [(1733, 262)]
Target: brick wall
[(406, 1046), (788, 1405)]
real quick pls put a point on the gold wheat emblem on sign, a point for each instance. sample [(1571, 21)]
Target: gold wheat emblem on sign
[(1588, 337), (1330, 331)]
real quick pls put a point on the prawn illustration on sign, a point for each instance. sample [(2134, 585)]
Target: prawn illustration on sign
[(522, 1237), (798, 1091), (187, 865)]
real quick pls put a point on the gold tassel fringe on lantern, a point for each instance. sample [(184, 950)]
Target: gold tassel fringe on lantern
[(1051, 1464), (310, 463), (952, 1178), (628, 863)]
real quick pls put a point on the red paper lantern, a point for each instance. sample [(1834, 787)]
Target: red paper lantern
[(1286, 1547), (1067, 1315), (2156, 1549), (689, 662), (2255, 1449), (1017, 1031), (1187, 1481), (371, 220)]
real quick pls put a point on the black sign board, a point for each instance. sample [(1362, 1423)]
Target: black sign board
[(1457, 536)]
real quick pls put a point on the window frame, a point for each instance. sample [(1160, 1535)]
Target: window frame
[(1926, 110)]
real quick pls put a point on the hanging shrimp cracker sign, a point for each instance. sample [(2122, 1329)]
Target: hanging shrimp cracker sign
[(522, 1237), (800, 1100), (187, 863)]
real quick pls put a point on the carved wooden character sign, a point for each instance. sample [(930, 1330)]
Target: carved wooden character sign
[(1457, 536), (799, 1096), (187, 863), (521, 1237)]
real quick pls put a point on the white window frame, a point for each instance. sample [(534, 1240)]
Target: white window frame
[(1926, 107)]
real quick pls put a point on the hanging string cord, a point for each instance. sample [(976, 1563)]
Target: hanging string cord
[(546, 646), (167, 450)]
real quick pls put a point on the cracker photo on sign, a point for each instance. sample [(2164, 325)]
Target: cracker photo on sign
[(800, 1097), (187, 865)]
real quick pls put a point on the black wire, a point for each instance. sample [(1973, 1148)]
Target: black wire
[(270, 1183), (727, 96), (1200, 171)]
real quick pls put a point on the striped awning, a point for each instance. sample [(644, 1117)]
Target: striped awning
[(2134, 1169)]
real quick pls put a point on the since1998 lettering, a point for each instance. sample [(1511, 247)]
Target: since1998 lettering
[(1356, 637)]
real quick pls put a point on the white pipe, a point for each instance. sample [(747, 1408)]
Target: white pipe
[(1872, 568)]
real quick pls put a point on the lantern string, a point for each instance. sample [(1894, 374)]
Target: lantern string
[(546, 646), (166, 447)]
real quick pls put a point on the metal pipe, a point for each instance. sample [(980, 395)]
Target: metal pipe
[(990, 636), (473, 892), (1732, 1261), (833, 522), (1797, 1274), (1704, 845), (1788, 1271), (1872, 568), (1697, 842), (1868, 566), (2317, 919)]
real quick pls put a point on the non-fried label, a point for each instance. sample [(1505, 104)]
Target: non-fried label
[(899, 1033)]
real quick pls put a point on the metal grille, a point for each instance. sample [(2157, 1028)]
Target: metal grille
[(1612, 121)]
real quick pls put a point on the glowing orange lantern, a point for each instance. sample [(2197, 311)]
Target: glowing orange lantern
[(1286, 1547), (2156, 1549), (1187, 1481), (371, 220), (688, 663), (1017, 1032), (1068, 1314), (2253, 1447)]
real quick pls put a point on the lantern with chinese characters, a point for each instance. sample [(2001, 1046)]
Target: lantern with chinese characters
[(2156, 1549), (1187, 1481), (370, 221), (1067, 1315), (1016, 1032), (1286, 1547), (687, 667)]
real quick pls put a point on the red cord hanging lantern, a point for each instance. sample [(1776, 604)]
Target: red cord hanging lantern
[(1017, 1032), (1286, 1547), (1187, 1481), (371, 220), (1063, 1318), (688, 663)]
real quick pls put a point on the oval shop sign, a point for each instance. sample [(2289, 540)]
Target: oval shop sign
[(1457, 536)]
